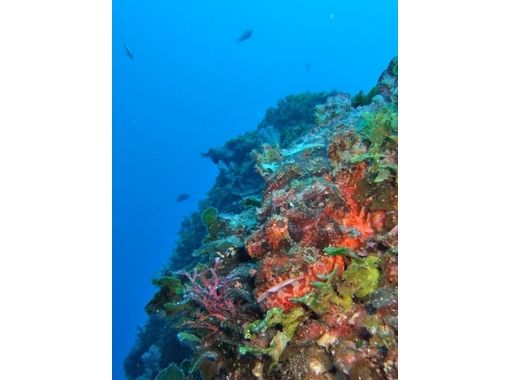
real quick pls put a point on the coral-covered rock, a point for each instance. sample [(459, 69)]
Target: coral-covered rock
[(295, 271)]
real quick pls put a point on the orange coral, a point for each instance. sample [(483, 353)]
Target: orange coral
[(342, 221), (364, 222), (277, 233), (282, 278)]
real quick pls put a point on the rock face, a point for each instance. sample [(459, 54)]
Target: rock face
[(292, 273)]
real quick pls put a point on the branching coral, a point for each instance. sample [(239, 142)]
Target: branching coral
[(211, 291)]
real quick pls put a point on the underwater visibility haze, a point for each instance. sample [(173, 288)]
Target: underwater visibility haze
[(255, 189)]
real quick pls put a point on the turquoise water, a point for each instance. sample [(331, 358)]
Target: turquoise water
[(189, 86)]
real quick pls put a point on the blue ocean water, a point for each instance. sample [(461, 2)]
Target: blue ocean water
[(190, 86)]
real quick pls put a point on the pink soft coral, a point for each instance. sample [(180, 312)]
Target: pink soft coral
[(211, 292)]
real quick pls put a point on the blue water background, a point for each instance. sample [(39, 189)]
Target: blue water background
[(191, 86)]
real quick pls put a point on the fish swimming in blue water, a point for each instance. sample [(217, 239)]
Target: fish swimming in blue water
[(128, 51), (182, 197), (246, 35)]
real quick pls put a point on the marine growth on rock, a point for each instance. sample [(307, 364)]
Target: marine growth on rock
[(292, 272)]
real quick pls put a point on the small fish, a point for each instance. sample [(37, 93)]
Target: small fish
[(307, 67), (246, 35), (128, 51), (182, 197)]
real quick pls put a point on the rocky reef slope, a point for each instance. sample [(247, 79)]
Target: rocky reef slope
[(289, 269)]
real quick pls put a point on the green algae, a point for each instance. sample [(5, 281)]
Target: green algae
[(171, 283), (277, 346), (275, 316), (272, 317), (361, 278), (250, 350), (380, 131), (378, 127), (189, 340), (170, 291), (323, 295), (340, 251), (289, 321), (360, 99), (275, 349), (207, 355), (210, 219), (172, 372), (366, 157), (382, 175)]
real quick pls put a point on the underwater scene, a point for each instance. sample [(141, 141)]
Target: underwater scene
[(255, 200)]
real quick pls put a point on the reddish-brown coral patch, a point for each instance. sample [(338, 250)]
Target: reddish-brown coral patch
[(257, 245), (277, 233), (309, 330), (281, 278)]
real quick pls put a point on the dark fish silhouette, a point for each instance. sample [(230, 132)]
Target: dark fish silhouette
[(128, 51), (182, 197), (307, 66), (246, 35)]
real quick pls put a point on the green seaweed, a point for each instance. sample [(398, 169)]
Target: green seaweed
[(172, 283), (382, 175), (172, 372), (323, 295), (366, 157), (275, 349), (361, 278), (207, 355), (380, 131), (272, 317), (360, 99), (340, 251), (170, 291), (190, 340), (378, 127), (250, 350), (289, 321), (277, 346), (210, 219)]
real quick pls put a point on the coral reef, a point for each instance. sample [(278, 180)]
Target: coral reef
[(289, 269)]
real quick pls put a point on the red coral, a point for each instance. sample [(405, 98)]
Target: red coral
[(257, 245), (277, 233), (357, 218), (318, 216), (211, 292), (282, 278)]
